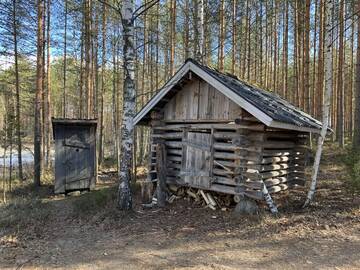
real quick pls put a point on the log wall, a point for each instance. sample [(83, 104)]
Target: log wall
[(244, 156)]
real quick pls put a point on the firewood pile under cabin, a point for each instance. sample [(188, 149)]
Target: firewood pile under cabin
[(221, 134)]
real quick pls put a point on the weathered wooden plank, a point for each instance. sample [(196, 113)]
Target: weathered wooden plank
[(208, 124), (174, 165), (257, 195), (174, 144), (231, 182), (174, 158), (231, 156), (278, 144), (172, 135), (238, 139), (171, 151), (231, 147)]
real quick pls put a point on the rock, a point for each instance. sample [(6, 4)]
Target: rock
[(246, 207)]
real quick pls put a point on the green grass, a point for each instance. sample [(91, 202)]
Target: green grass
[(12, 215), (94, 201)]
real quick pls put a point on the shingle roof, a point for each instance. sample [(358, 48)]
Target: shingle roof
[(268, 102)]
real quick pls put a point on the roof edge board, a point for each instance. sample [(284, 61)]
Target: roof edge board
[(277, 124)]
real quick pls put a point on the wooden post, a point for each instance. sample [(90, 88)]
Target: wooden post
[(161, 173)]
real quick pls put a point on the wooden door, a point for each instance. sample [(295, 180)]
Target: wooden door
[(77, 158), (196, 165)]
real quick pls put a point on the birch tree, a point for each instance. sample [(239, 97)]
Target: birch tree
[(327, 97), (126, 153)]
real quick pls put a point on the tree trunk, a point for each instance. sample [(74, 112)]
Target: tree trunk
[(356, 138), (221, 36), (313, 85), (340, 79), (248, 29), (103, 67), (17, 89), (285, 51), (233, 45), (320, 67), (48, 88), (65, 59), (173, 36), (351, 88), (114, 106), (124, 193), (38, 93), (307, 58), (200, 18), (87, 47), (326, 105)]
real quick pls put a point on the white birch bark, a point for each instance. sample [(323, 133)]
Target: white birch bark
[(269, 201), (126, 143), (327, 97)]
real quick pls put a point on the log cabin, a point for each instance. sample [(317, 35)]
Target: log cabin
[(225, 135)]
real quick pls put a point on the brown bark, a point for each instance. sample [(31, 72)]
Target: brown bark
[(38, 93), (103, 68), (340, 79), (17, 89), (221, 36), (275, 49), (48, 88), (248, 29), (320, 67), (307, 57), (285, 51), (172, 38), (186, 29), (87, 48), (356, 138), (65, 59)]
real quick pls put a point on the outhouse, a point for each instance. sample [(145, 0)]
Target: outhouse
[(225, 135), (75, 154)]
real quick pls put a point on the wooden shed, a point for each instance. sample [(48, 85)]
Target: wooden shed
[(75, 154), (222, 134)]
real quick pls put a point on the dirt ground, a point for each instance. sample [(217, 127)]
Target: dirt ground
[(87, 232)]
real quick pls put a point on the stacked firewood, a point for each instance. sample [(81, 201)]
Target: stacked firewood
[(205, 198)]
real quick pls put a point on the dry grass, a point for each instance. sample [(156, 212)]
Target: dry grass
[(40, 231)]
